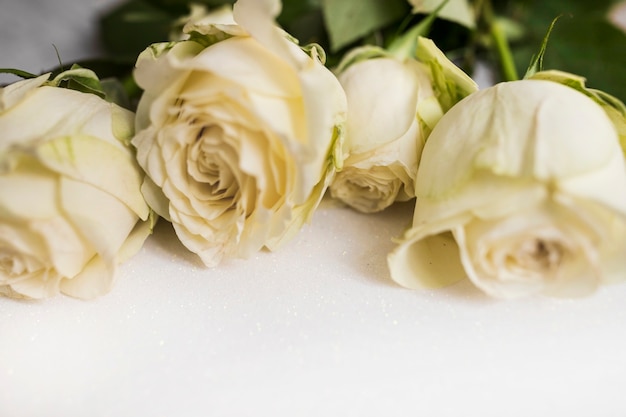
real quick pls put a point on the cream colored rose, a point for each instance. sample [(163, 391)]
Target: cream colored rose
[(393, 104), (70, 200), (529, 179), (237, 130), (383, 134)]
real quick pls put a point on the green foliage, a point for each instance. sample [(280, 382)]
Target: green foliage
[(536, 62), (507, 33), (459, 11), (182, 6), (349, 20), (303, 19), (18, 72), (583, 41), (79, 79), (130, 28)]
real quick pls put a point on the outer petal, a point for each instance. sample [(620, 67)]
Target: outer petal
[(430, 262), (382, 101), (245, 61), (67, 252), (552, 144), (106, 228), (28, 191), (95, 279), (14, 93), (60, 112), (325, 107), (98, 163), (41, 284), (258, 18)]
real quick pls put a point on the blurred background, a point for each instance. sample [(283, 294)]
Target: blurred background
[(588, 39)]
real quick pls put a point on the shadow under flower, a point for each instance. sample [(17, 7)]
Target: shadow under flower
[(165, 240)]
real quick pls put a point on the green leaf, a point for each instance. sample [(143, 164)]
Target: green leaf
[(19, 73), (294, 9), (130, 28), (359, 54), (405, 45), (181, 6), (304, 21), (79, 79), (349, 20), (458, 11), (583, 42)]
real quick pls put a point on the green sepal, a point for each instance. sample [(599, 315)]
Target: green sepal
[(405, 46), (86, 81), (362, 53), (18, 72), (536, 62), (316, 51), (450, 83), (79, 79), (208, 38)]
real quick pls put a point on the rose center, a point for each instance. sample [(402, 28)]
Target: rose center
[(212, 161), (11, 264), (539, 255)]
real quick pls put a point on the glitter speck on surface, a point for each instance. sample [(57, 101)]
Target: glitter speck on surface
[(315, 329)]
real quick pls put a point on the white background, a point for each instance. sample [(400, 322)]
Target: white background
[(317, 329)]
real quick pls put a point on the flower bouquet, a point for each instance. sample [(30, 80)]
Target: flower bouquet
[(234, 121)]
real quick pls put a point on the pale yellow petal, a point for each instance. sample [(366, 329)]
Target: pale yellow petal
[(431, 262), (96, 279), (93, 161)]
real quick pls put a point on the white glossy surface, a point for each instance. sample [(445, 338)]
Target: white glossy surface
[(317, 329)]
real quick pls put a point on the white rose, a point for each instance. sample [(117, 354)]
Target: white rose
[(70, 197), (383, 135), (393, 104), (529, 178), (237, 131)]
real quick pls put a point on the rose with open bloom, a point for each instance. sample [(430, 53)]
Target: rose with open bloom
[(393, 104), (71, 206), (521, 187), (237, 130)]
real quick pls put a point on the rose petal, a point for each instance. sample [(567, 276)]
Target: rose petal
[(28, 191), (95, 279), (382, 102), (431, 262), (14, 93), (105, 228), (93, 161)]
